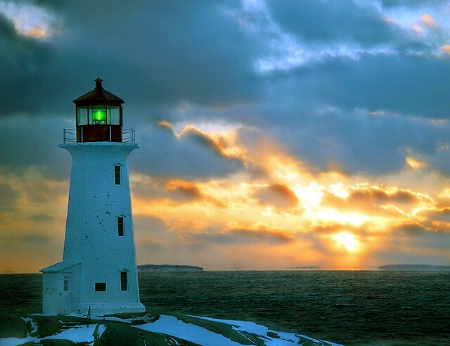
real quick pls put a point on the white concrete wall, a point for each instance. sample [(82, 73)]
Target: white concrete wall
[(60, 288), (95, 203), (50, 294)]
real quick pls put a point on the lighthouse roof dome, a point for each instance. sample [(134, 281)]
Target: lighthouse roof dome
[(98, 96)]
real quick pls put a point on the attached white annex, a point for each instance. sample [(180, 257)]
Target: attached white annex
[(98, 273)]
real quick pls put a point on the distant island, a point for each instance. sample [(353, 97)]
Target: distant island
[(413, 267), (167, 268)]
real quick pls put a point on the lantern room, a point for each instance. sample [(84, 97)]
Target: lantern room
[(99, 116)]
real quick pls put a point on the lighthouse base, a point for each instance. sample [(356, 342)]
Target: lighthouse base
[(102, 309), (64, 293)]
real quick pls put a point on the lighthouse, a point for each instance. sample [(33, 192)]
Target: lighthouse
[(98, 273)]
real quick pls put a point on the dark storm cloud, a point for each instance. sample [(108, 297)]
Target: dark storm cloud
[(413, 86), (165, 51), (33, 142), (50, 4), (157, 51), (407, 86), (410, 4), (158, 54), (324, 20), (357, 141), (22, 82)]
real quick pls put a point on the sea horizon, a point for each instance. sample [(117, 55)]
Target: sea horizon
[(402, 266)]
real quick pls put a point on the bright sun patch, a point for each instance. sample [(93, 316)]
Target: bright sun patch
[(346, 240)]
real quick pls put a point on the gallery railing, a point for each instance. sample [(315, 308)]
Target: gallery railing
[(70, 136)]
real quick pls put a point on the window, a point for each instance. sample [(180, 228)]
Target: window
[(120, 226), (100, 286), (124, 281), (66, 282), (117, 175)]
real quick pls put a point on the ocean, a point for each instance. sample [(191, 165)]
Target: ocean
[(346, 307)]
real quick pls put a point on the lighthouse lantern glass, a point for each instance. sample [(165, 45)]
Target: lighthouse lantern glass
[(114, 115), (82, 116), (97, 115)]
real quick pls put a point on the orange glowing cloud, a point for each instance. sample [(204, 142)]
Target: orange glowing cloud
[(224, 142), (337, 221), (416, 28), (415, 163), (446, 48), (278, 195), (38, 32), (427, 20), (165, 124), (30, 20), (390, 20), (369, 198), (185, 190), (274, 204)]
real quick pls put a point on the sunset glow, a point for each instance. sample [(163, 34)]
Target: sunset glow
[(347, 240), (271, 135)]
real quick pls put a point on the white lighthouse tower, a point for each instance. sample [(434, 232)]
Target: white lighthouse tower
[(98, 272)]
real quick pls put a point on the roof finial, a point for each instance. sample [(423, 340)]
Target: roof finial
[(98, 83)]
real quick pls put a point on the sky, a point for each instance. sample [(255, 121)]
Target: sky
[(273, 134)]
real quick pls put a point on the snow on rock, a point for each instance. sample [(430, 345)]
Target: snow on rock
[(87, 334), (270, 337), (32, 323), (15, 341), (190, 329), (80, 333), (171, 325)]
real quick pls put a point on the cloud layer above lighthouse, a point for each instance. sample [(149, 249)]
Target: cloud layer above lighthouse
[(272, 133)]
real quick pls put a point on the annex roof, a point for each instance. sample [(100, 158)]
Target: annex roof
[(58, 267)]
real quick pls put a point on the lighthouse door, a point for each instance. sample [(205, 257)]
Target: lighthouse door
[(67, 293)]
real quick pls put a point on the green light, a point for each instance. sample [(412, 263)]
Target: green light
[(99, 116)]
